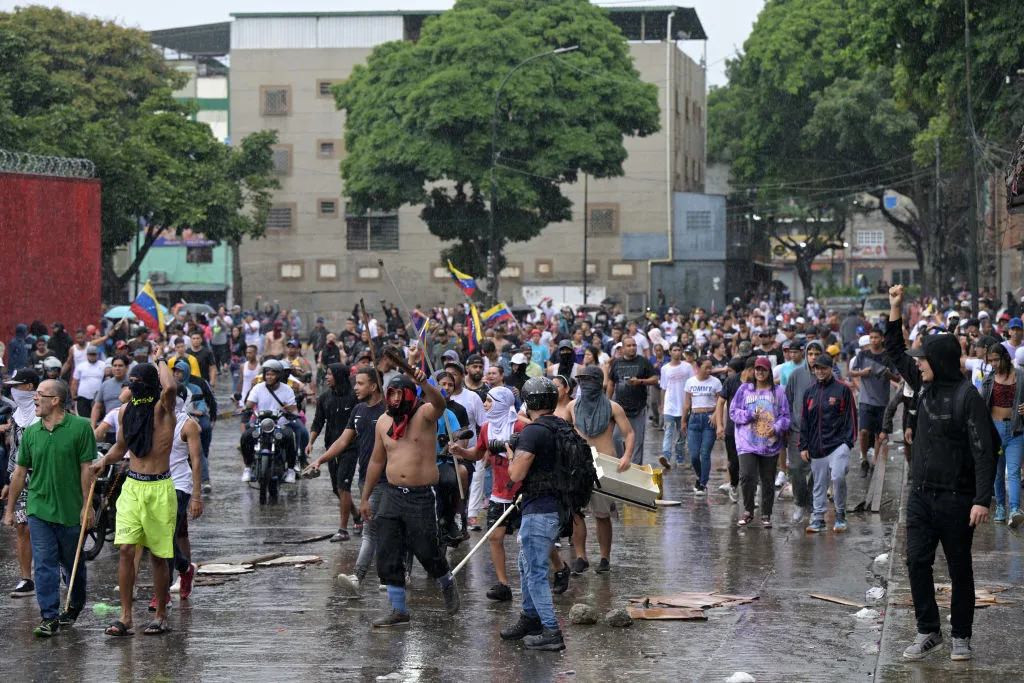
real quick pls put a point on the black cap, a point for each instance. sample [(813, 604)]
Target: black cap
[(455, 364), (23, 376), (823, 361), (475, 358)]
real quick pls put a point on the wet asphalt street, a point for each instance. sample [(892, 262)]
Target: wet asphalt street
[(289, 623)]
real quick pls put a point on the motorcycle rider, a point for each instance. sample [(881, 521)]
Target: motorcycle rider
[(271, 394)]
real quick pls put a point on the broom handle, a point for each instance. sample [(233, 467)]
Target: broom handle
[(78, 551)]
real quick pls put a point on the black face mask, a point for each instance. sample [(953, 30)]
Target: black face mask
[(402, 403)]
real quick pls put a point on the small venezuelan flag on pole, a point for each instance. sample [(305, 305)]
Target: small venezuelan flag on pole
[(147, 309), (465, 282)]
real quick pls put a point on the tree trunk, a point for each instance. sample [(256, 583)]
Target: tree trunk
[(803, 271), (237, 295)]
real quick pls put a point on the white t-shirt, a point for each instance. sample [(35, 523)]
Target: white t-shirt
[(470, 400), (673, 383), (249, 376), (979, 370), (642, 343), (252, 334), (79, 354), (90, 377), (264, 400), (703, 394), (110, 419), (181, 468)]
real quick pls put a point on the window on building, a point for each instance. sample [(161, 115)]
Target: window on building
[(275, 100), (604, 219), (621, 271), (290, 270), (592, 267), (326, 149), (282, 159), (698, 220), (906, 277), (281, 217), (373, 232), (199, 254), (326, 270), (327, 208), (323, 88), (511, 271), (870, 238), (544, 268), (368, 273)]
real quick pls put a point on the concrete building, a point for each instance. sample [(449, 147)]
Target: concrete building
[(200, 52), (315, 257)]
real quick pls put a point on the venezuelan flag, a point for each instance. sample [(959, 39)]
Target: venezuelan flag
[(497, 313), (147, 309), (465, 282), (476, 334)]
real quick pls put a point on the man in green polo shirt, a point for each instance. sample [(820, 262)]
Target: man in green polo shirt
[(58, 450)]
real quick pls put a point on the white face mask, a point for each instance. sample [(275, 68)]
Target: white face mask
[(23, 398), (26, 412)]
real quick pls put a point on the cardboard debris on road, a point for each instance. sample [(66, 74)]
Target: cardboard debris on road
[(694, 600), (241, 559), (838, 601), (286, 560), (300, 541), (984, 596), (667, 613), (226, 569)]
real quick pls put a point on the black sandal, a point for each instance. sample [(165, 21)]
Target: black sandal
[(156, 628), (119, 630)]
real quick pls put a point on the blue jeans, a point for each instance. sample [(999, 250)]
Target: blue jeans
[(671, 438), (700, 438), (1008, 467), (53, 549), (205, 437), (537, 533)]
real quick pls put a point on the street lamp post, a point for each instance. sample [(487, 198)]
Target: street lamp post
[(492, 251)]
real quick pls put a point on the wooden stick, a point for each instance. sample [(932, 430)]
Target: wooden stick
[(366, 321), (483, 540), (838, 601), (78, 551)]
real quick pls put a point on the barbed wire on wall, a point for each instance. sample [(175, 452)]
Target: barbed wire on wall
[(35, 164)]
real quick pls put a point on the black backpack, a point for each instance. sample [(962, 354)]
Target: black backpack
[(575, 476)]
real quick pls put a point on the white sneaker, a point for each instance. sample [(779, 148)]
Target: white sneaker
[(725, 487), (757, 497), (176, 586), (382, 588), (349, 581), (780, 479), (786, 492), (798, 515), (247, 474), (734, 494), (289, 477)]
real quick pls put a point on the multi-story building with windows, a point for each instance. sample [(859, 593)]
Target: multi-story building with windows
[(317, 256)]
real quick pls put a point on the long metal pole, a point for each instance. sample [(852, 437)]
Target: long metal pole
[(492, 250), (972, 197), (586, 231)]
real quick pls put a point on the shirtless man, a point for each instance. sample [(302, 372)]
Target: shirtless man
[(406, 450), (565, 388), (595, 417), (147, 507)]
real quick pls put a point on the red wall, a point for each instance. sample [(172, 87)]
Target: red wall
[(50, 236)]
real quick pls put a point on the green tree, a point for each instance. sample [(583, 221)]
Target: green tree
[(79, 87), (418, 124)]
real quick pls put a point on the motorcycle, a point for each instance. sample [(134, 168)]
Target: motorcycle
[(104, 505), (269, 456)]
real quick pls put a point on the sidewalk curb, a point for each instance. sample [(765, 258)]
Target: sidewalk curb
[(898, 538)]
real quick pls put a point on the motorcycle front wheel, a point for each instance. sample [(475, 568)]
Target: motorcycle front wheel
[(94, 537)]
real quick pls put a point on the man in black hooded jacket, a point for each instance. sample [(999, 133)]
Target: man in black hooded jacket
[(333, 408), (952, 470)]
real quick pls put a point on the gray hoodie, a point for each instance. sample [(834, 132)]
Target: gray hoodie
[(800, 380)]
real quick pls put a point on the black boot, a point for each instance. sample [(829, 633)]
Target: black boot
[(561, 582), (526, 626), (549, 639)]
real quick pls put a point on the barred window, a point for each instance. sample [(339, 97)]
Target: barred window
[(372, 232), (275, 101), (282, 159), (698, 220), (281, 218), (604, 219)]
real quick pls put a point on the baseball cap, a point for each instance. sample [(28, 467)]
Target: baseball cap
[(951, 315), (454, 363), (1015, 323), (292, 342), (983, 314), (89, 350), (833, 350), (823, 361), (745, 349), (518, 359), (786, 345), (796, 345), (690, 349), (475, 359), (535, 333), (320, 320), (120, 344), (800, 320), (23, 376), (865, 340), (763, 362), (565, 344), (365, 353)]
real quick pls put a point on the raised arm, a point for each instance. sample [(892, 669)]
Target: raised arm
[(168, 387), (895, 345)]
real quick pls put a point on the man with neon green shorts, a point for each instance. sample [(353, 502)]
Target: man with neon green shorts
[(147, 507)]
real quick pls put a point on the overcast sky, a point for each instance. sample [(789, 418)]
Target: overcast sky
[(727, 22)]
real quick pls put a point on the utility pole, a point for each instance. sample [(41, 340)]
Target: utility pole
[(586, 230), (972, 194)]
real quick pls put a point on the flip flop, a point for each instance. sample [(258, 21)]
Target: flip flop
[(119, 630), (156, 628)]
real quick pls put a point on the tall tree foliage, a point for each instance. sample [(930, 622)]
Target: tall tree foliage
[(79, 87), (418, 124)]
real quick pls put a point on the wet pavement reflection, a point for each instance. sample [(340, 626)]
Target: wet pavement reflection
[(291, 623)]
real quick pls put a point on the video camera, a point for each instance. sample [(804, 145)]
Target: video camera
[(497, 446)]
